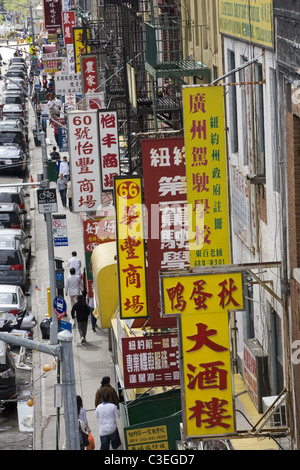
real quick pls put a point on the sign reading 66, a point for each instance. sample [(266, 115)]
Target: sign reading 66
[(128, 190)]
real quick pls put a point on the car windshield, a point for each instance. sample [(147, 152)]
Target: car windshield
[(8, 298), (10, 137), (9, 197), (9, 257), (9, 217)]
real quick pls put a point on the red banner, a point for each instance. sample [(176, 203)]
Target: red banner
[(89, 67), (165, 200), (150, 361), (68, 21)]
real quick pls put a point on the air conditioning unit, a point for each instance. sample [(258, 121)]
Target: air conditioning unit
[(278, 418)]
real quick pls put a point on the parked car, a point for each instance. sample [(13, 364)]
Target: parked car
[(13, 111), (13, 265), (13, 303), (14, 194), (13, 235), (11, 216), (17, 60), (8, 381), (15, 74), (21, 122), (13, 98), (16, 85), (12, 133), (13, 159), (18, 66)]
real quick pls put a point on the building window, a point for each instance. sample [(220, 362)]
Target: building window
[(232, 104)]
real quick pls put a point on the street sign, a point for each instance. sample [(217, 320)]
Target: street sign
[(60, 306), (47, 201), (65, 325), (59, 230)]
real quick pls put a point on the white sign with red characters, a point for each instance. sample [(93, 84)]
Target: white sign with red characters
[(109, 147), (84, 160)]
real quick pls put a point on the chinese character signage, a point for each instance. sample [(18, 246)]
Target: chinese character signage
[(251, 21), (52, 15), (109, 148), (96, 231), (130, 247), (206, 172), (150, 361), (84, 160), (90, 76), (68, 21), (203, 302), (165, 200), (80, 37), (67, 83)]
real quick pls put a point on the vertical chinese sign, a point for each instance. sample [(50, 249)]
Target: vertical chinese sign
[(89, 74), (52, 15), (68, 21), (206, 172), (109, 148), (165, 200), (130, 247), (84, 160), (80, 37), (203, 302)]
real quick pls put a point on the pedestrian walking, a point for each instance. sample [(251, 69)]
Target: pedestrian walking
[(74, 262), (69, 194), (107, 413), (62, 188), (106, 388), (54, 154), (65, 168), (81, 312), (91, 305), (82, 414), (58, 162), (73, 286)]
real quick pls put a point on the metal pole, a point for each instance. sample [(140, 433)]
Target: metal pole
[(69, 391)]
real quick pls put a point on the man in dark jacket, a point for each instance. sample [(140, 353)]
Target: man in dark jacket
[(81, 311)]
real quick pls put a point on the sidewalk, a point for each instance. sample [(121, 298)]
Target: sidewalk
[(92, 360)]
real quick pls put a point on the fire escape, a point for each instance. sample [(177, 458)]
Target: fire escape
[(147, 35)]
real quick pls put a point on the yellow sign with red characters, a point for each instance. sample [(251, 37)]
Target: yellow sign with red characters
[(130, 247), (206, 175), (202, 303)]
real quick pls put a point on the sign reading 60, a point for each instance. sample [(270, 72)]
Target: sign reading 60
[(128, 189)]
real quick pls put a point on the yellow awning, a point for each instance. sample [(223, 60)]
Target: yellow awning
[(105, 281)]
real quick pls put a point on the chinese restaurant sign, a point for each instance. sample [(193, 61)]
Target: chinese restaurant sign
[(80, 37), (130, 247), (68, 21), (251, 20), (165, 200), (203, 302), (109, 148), (84, 160), (206, 172), (96, 232), (150, 361)]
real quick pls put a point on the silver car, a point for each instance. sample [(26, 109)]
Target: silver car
[(13, 259), (13, 302)]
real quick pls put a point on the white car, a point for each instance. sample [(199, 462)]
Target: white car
[(13, 302)]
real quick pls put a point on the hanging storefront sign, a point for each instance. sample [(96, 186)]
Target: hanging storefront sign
[(109, 148), (203, 302), (80, 38), (52, 15), (130, 247), (66, 83), (249, 21), (206, 172), (84, 160), (152, 361), (165, 200), (97, 231), (89, 74), (95, 100), (68, 23), (131, 85)]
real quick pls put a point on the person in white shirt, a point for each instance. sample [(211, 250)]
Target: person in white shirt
[(73, 286), (75, 262), (107, 413), (65, 168)]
